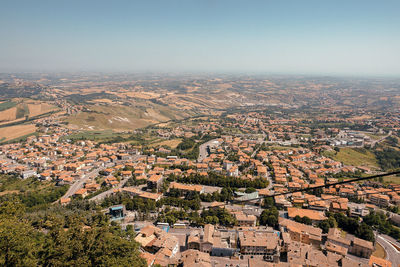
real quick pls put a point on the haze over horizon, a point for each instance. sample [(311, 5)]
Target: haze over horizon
[(286, 37)]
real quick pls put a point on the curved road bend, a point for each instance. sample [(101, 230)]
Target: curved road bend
[(392, 254)]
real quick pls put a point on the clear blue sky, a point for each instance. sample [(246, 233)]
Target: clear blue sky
[(300, 36)]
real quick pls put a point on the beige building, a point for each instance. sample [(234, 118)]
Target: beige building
[(245, 220), (380, 200), (260, 243), (202, 241), (361, 248), (303, 233)]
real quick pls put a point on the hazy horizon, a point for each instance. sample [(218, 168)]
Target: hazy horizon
[(338, 38)]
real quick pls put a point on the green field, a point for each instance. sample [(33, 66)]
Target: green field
[(375, 136), (391, 179), (6, 105), (356, 157), (31, 192), (92, 135)]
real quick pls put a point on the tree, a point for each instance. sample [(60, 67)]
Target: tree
[(324, 225), (305, 220), (19, 244), (268, 202), (269, 217), (250, 190), (364, 231), (72, 237)]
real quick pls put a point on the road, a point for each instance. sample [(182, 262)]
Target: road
[(391, 252), (101, 196), (263, 142), (373, 143), (79, 184), (203, 153)]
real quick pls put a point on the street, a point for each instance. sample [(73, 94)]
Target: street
[(101, 196), (392, 254), (203, 153), (79, 184)]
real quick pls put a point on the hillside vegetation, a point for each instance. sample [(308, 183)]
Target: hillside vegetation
[(35, 233), (356, 157)]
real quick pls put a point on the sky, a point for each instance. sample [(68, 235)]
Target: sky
[(342, 37)]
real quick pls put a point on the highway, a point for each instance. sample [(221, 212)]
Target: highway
[(391, 252)]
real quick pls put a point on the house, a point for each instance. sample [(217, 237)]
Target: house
[(65, 201), (148, 257), (379, 262), (202, 241), (380, 200), (187, 188), (260, 243), (315, 216), (335, 238), (81, 193), (299, 232), (359, 211), (245, 220), (155, 181), (126, 174), (159, 243), (92, 187), (331, 247), (338, 206), (136, 192), (361, 248), (262, 171), (191, 258), (28, 173)]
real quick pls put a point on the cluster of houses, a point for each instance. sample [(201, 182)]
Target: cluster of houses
[(295, 244), (53, 158)]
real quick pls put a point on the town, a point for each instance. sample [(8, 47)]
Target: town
[(200, 190)]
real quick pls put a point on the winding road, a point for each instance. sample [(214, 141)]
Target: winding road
[(392, 254)]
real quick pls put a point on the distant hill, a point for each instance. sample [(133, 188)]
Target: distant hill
[(26, 90)]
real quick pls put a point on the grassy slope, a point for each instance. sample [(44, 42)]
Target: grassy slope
[(379, 251), (356, 157), (173, 143)]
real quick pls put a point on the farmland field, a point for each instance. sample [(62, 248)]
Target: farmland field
[(8, 114), (11, 112), (39, 108), (6, 105), (121, 117), (12, 132)]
